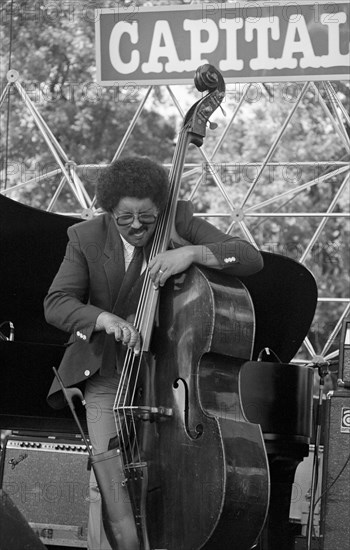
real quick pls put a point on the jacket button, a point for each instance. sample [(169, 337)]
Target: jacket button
[(87, 372), (229, 260)]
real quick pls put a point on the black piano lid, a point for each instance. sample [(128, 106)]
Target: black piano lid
[(284, 295), (32, 245)]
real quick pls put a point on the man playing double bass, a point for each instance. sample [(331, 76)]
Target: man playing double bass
[(95, 291)]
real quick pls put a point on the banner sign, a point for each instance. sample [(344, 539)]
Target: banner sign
[(247, 42)]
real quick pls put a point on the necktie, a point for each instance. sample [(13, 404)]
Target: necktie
[(130, 278), (134, 269)]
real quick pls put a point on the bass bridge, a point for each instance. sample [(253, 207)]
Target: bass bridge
[(145, 412)]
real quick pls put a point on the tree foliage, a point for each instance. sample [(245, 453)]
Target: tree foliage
[(53, 51)]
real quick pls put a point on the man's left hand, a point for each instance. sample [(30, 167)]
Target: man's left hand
[(169, 263)]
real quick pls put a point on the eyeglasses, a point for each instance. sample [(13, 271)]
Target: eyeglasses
[(128, 219)]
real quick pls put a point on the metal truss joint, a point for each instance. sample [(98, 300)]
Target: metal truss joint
[(12, 75), (237, 215)]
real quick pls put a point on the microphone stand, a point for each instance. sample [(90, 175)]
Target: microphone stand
[(322, 367)]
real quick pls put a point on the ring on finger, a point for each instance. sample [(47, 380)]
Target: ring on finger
[(161, 271)]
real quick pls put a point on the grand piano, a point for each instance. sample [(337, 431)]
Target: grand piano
[(284, 294)]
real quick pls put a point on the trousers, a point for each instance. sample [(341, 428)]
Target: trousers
[(99, 395)]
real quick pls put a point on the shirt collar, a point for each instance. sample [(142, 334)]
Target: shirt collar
[(129, 248)]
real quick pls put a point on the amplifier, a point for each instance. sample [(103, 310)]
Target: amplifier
[(47, 479), (344, 351), (335, 507)]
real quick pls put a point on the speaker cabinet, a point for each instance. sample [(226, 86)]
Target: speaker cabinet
[(48, 481), (336, 473), (344, 351)]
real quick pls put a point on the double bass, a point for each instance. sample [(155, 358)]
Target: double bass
[(195, 470)]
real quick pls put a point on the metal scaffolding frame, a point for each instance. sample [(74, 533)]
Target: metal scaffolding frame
[(238, 213)]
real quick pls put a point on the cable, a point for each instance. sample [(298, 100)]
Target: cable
[(334, 480)]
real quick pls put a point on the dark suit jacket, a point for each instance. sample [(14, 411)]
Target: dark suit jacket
[(90, 277)]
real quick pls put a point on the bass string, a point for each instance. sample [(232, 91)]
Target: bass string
[(124, 414), (125, 397), (160, 243)]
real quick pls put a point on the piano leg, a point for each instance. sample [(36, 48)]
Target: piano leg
[(279, 533)]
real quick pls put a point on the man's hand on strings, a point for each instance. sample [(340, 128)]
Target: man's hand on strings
[(169, 263), (123, 331)]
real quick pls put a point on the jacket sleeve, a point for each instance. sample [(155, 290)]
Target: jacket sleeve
[(66, 304), (236, 256)]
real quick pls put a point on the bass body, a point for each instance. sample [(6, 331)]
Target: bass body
[(208, 481)]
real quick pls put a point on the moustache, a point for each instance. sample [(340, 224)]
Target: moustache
[(133, 231)]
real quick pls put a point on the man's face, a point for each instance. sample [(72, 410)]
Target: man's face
[(137, 232)]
